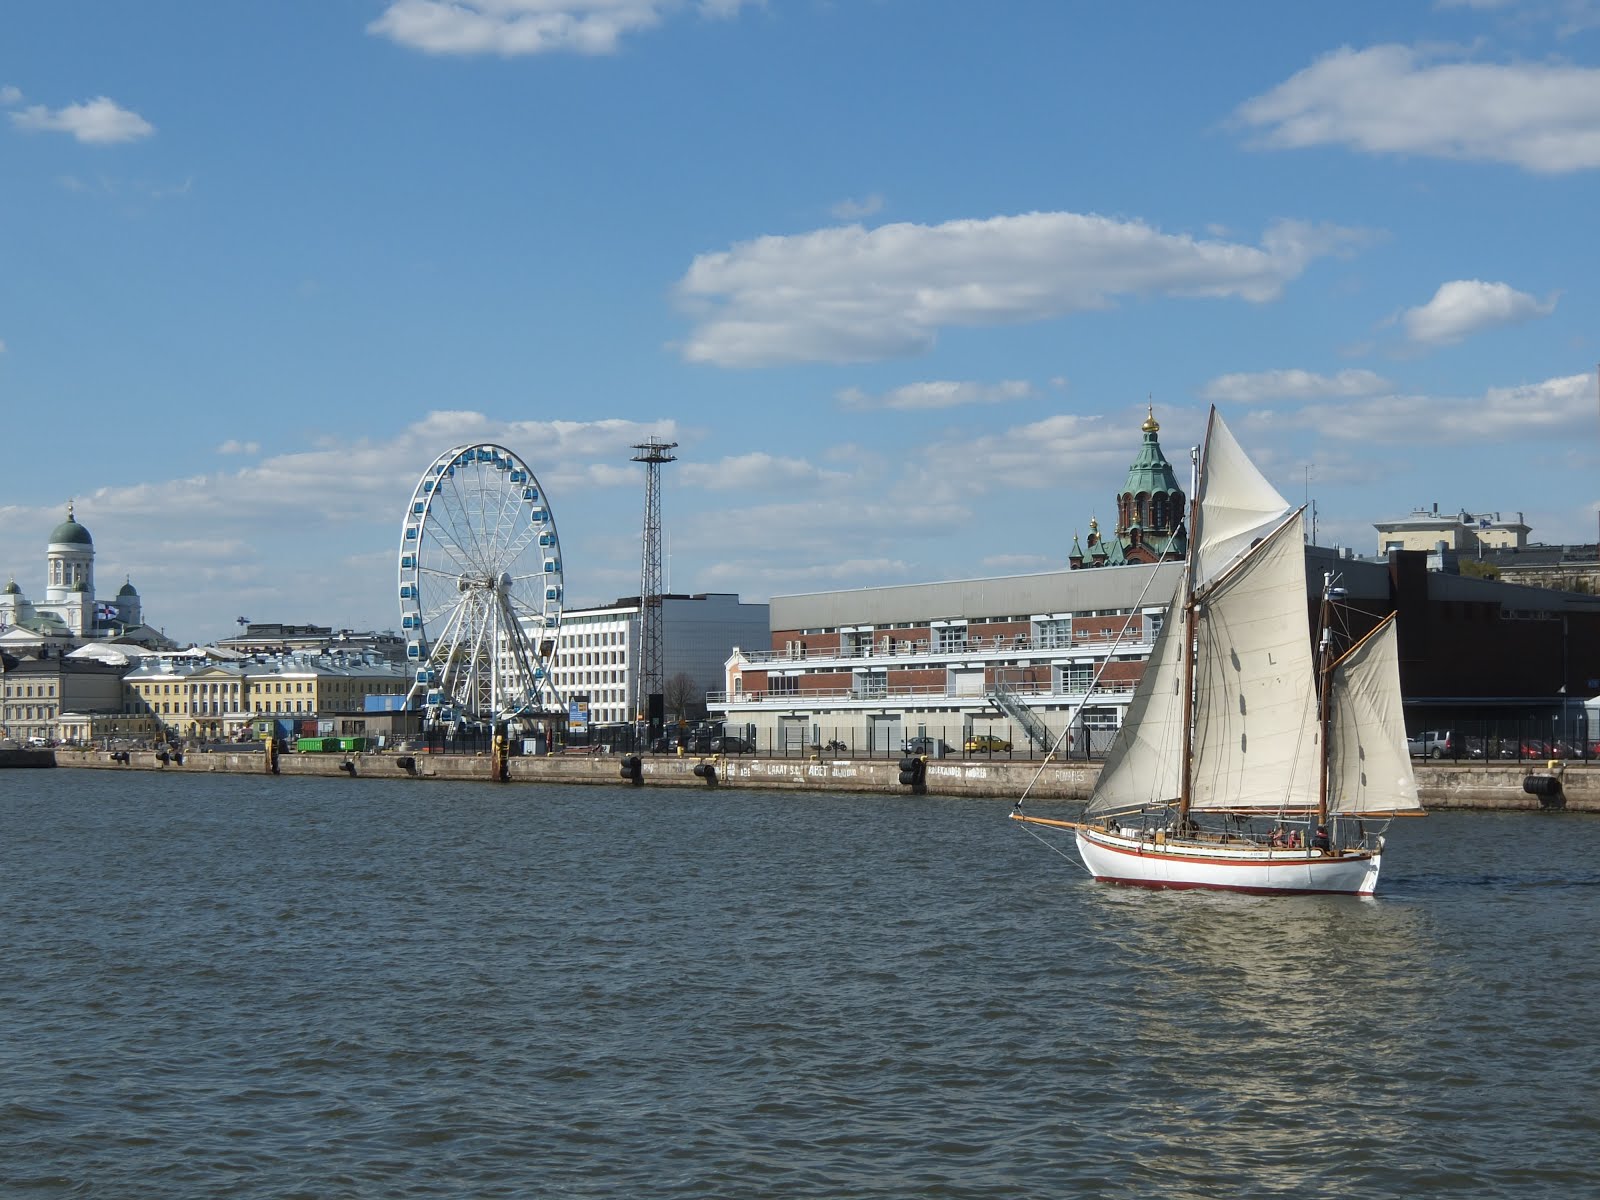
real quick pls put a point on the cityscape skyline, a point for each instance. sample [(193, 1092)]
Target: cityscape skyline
[(900, 281)]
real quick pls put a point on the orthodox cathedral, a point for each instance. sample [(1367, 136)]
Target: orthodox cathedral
[(1151, 512), (69, 608)]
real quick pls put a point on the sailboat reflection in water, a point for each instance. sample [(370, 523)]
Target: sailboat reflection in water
[(1251, 759)]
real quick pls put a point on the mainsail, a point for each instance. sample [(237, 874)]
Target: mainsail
[(1255, 724), (1369, 766)]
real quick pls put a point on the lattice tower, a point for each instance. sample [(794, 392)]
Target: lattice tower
[(649, 681)]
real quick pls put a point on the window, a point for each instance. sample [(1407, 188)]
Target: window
[(1055, 632)]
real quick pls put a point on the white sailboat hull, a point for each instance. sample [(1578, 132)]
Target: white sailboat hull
[(1145, 862)]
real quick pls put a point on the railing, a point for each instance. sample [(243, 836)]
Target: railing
[(910, 692), (924, 648), (1010, 702)]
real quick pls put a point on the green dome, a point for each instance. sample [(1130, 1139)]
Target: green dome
[(11, 589), (1151, 472), (127, 589), (70, 532)]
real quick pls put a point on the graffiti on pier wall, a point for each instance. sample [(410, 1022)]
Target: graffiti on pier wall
[(787, 770)]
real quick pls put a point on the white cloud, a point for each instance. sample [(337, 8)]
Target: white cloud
[(1463, 307), (10, 95), (99, 122), (204, 547), (747, 472), (1030, 456), (1264, 386), (850, 294), (1387, 99), (854, 210), (234, 446), (2, 345), (516, 27), (1529, 412), (938, 393)]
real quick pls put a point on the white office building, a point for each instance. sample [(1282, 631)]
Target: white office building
[(597, 649)]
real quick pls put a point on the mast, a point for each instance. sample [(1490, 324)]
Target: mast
[(1190, 623), (1324, 692)]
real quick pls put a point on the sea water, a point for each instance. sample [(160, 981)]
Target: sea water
[(238, 986)]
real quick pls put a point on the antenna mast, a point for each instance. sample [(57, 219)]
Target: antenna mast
[(649, 697)]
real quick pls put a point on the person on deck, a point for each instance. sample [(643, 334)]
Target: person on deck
[(1322, 841)]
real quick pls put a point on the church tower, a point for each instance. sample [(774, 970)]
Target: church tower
[(69, 574), (1150, 508), (1151, 512)]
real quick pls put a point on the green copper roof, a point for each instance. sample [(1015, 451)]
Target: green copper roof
[(70, 532), (1151, 472)]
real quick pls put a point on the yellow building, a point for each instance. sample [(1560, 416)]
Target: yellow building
[(203, 698), (1461, 532)]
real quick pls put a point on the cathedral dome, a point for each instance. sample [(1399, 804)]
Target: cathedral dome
[(127, 589), (69, 532), (11, 589)]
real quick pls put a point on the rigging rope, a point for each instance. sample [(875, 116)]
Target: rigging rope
[(1052, 847), (1111, 650)]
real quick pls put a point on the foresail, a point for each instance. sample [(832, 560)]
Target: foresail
[(1236, 504), (1255, 698), (1369, 765), (1145, 762)]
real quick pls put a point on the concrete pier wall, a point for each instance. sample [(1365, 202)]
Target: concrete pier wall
[(1443, 786)]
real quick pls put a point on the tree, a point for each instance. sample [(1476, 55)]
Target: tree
[(683, 699)]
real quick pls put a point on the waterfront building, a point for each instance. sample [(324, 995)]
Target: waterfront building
[(37, 693), (597, 650), (214, 695), (1022, 660), (1017, 657)]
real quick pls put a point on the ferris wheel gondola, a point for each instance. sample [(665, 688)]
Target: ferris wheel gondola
[(480, 589)]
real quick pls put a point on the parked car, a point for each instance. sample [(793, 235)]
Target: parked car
[(1440, 743), (986, 743), (1482, 747), (931, 746)]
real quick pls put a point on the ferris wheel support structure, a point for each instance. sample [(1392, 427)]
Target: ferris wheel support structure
[(480, 588)]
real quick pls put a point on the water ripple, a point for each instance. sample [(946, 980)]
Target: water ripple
[(272, 988)]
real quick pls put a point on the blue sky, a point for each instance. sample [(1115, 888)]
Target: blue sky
[(897, 275)]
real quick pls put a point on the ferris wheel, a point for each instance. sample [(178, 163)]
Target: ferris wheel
[(480, 589)]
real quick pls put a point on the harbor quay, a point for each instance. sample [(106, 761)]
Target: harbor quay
[(1441, 785)]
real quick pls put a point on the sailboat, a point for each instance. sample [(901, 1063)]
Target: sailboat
[(1252, 757)]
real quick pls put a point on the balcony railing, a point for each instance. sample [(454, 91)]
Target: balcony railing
[(914, 694), (971, 646)]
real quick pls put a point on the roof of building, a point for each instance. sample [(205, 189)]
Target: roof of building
[(1150, 472), (70, 533), (1005, 596), (1540, 555)]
